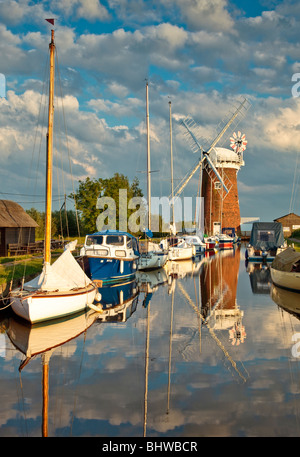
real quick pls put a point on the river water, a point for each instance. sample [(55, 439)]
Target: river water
[(199, 349)]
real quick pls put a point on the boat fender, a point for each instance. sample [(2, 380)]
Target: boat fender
[(98, 297), (97, 308)]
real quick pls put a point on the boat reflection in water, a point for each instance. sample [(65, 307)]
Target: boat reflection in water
[(286, 299), (44, 339), (182, 268), (118, 302), (260, 277)]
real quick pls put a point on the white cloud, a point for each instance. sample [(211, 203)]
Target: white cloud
[(92, 10), (283, 129), (207, 14)]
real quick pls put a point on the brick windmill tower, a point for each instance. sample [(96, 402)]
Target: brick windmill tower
[(218, 174), (221, 200)]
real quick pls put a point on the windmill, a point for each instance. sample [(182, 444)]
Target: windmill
[(216, 169)]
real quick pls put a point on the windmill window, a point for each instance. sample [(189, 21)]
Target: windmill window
[(217, 185)]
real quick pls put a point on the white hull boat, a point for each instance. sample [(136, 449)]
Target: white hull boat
[(178, 248), (152, 260), (196, 241), (285, 270), (60, 290), (183, 251)]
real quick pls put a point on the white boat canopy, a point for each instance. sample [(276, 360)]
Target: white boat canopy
[(64, 274)]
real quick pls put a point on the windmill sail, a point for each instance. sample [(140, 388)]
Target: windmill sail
[(197, 144)]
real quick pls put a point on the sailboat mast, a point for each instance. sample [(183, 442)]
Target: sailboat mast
[(148, 160), (171, 148), (47, 253)]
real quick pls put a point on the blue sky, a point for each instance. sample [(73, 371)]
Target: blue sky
[(202, 55)]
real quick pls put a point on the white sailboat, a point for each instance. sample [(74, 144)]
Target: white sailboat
[(155, 257), (62, 288)]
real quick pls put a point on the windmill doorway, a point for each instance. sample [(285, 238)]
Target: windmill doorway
[(217, 228)]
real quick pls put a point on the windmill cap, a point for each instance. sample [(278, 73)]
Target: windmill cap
[(226, 156)]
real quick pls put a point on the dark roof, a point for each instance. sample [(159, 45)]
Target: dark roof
[(13, 215)]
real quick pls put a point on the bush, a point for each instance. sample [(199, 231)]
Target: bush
[(296, 234)]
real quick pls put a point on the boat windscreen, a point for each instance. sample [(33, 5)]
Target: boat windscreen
[(94, 239), (115, 240)]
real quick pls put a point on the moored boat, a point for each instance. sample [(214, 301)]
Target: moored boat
[(110, 256), (266, 241), (151, 260), (225, 241), (62, 288), (285, 270), (211, 243), (196, 241), (178, 248), (182, 251)]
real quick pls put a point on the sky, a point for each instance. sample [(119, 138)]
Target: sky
[(203, 56)]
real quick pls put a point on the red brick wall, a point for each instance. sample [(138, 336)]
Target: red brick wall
[(217, 206)]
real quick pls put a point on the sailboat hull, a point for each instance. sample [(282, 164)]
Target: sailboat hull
[(181, 253), (152, 260), (38, 307), (286, 279)]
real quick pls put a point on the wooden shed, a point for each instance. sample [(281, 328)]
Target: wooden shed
[(16, 226), (290, 222)]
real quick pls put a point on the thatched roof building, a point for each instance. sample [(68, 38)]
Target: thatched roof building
[(16, 226)]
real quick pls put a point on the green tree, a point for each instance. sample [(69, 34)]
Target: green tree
[(66, 223), (90, 190), (39, 218)]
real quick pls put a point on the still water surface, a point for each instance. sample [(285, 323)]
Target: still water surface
[(199, 349)]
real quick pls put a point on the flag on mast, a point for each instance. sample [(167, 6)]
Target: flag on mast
[(50, 20)]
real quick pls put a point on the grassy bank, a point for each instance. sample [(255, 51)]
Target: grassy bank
[(15, 270), (24, 266)]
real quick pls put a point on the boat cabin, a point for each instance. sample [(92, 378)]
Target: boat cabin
[(265, 240), (111, 244)]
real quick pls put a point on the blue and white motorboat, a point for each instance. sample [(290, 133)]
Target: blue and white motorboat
[(110, 256)]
